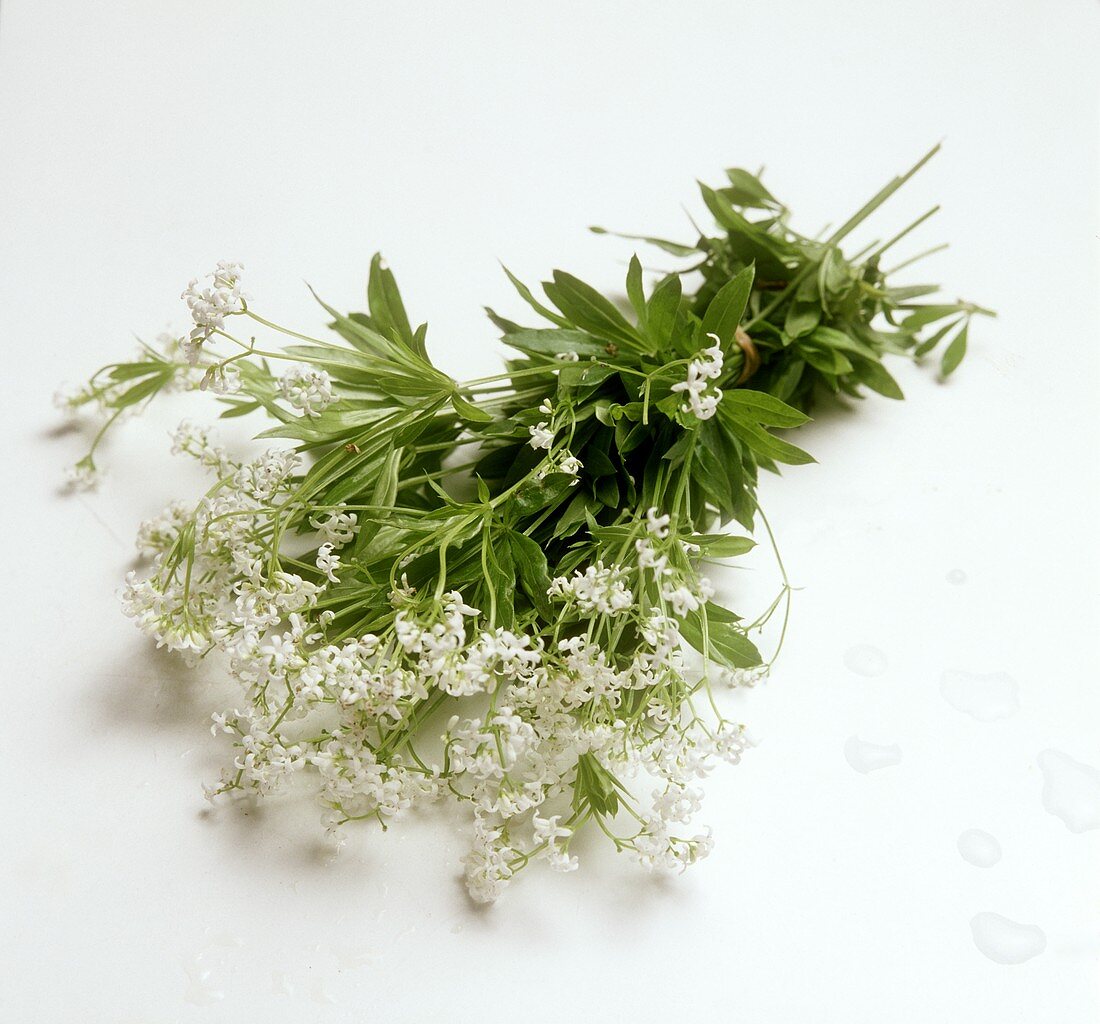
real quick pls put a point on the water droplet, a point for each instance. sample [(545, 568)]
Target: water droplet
[(979, 848), (281, 984), (320, 993), (865, 660), (988, 698), (203, 988), (867, 757), (956, 577), (1005, 941), (1071, 790)]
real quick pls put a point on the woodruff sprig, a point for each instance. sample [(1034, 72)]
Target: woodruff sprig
[(492, 590)]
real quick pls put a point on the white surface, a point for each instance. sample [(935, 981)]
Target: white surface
[(141, 142)]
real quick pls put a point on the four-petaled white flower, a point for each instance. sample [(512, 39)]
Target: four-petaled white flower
[(707, 366), (541, 435)]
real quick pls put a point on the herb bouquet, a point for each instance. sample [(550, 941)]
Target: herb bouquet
[(490, 590)]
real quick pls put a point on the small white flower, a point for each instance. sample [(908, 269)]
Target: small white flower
[(222, 380), (649, 559), (68, 399), (570, 465), (657, 525), (707, 366), (541, 436), (567, 357), (681, 598), (192, 349), (748, 677), (337, 528), (547, 830), (328, 562), (561, 860), (83, 476)]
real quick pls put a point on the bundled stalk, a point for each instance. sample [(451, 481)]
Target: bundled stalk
[(494, 590)]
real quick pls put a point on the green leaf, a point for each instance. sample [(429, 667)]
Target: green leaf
[(762, 408), (538, 307), (554, 341), (930, 343), (595, 787), (501, 578), (607, 490), (727, 645), (635, 290), (726, 309), (130, 371), (385, 490), (763, 443), (468, 411), (574, 514), (747, 241), (955, 351), (711, 474), (877, 378), (239, 409), (673, 248), (505, 325), (588, 309), (746, 190), (925, 315), (532, 571), (386, 307), (827, 360), (830, 337), (680, 448), (142, 390), (661, 311), (720, 545)]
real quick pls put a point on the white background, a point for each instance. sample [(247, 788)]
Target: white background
[(140, 142)]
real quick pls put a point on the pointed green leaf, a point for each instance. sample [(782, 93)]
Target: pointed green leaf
[(726, 309), (955, 352), (588, 309)]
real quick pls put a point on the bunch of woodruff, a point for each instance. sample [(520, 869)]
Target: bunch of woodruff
[(494, 591)]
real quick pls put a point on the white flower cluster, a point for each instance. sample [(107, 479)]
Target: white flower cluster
[(544, 726), (337, 527), (210, 304), (673, 589), (542, 438), (543, 433), (83, 476), (223, 379), (213, 581), (307, 389), (707, 366), (522, 761), (598, 589), (193, 440), (68, 399)]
